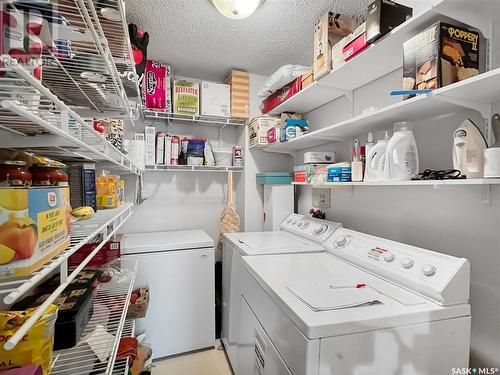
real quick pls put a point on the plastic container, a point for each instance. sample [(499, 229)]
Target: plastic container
[(75, 309), (375, 160), (223, 158), (401, 155), (14, 173)]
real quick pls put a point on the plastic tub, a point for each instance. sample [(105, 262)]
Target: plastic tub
[(223, 158)]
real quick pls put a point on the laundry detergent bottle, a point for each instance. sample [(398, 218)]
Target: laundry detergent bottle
[(401, 154), (375, 160)]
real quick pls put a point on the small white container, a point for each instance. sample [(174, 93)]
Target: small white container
[(492, 162), (223, 158)]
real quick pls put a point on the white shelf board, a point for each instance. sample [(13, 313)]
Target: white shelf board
[(191, 168), (464, 182)]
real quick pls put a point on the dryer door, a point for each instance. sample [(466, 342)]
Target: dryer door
[(256, 353)]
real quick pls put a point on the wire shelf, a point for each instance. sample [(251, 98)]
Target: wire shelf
[(198, 119), (27, 109), (109, 319), (192, 168), (121, 366), (79, 66)]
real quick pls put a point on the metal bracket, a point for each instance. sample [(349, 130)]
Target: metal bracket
[(484, 109), (220, 134), (487, 196)]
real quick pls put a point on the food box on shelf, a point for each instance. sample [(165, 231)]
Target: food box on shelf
[(307, 78), (299, 173), (139, 301), (215, 99), (318, 157), (383, 17), (257, 130), (240, 98), (282, 95), (75, 308), (442, 54), (81, 177), (34, 228), (109, 252), (186, 97), (354, 43), (157, 86)]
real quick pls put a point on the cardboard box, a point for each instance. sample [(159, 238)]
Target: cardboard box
[(81, 180), (110, 251), (150, 139), (257, 130), (326, 34), (355, 43), (442, 54), (300, 176), (157, 86), (285, 116), (215, 99), (138, 305), (34, 228), (338, 57), (281, 95), (383, 17), (318, 157), (307, 79), (240, 99), (186, 98)]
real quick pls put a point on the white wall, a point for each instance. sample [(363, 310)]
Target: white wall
[(451, 220)]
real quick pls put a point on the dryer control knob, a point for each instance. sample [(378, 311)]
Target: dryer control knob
[(388, 257), (428, 270), (320, 230), (407, 262), (341, 241)]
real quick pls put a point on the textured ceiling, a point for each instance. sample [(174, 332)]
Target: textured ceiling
[(199, 42)]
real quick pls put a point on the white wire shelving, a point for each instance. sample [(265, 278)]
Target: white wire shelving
[(90, 53), (122, 366), (105, 223), (104, 330), (36, 119), (192, 168), (196, 119), (451, 182)]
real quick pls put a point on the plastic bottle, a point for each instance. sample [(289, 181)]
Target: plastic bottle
[(401, 155), (369, 143), (375, 160)]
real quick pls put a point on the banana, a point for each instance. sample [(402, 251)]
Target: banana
[(82, 213)]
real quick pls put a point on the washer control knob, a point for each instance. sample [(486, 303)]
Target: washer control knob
[(341, 241), (388, 257), (294, 222), (407, 262), (428, 270), (320, 230), (289, 221)]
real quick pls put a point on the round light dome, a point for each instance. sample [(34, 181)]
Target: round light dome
[(236, 9)]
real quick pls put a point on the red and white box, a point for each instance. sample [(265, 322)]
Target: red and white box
[(355, 43), (281, 95), (109, 252), (157, 86)]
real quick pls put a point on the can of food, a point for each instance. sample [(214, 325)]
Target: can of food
[(237, 156)]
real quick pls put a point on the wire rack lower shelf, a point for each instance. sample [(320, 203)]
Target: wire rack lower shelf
[(98, 346), (192, 168)]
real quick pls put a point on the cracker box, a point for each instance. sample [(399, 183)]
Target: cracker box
[(240, 98), (186, 98), (442, 54), (157, 86), (34, 228), (258, 128)]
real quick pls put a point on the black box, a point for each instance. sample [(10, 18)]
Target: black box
[(82, 185), (383, 17), (442, 54)]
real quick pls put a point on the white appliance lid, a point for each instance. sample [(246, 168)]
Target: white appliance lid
[(252, 243), (166, 241), (398, 306)]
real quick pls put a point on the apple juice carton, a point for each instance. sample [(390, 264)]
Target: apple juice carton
[(34, 228)]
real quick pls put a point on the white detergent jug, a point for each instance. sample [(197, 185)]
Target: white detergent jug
[(401, 155), (375, 160)]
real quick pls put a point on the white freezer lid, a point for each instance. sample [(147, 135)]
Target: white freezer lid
[(276, 242), (166, 241)]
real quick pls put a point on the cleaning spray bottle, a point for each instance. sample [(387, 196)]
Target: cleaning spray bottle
[(401, 155), (375, 160)]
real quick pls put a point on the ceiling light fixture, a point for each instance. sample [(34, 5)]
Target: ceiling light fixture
[(236, 9)]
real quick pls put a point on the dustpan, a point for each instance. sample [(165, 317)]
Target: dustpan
[(229, 220)]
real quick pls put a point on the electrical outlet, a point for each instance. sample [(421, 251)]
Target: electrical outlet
[(321, 198)]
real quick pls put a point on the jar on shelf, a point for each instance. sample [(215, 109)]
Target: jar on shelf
[(14, 173), (48, 175)]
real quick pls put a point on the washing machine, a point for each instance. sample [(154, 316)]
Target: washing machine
[(298, 234), (365, 306)]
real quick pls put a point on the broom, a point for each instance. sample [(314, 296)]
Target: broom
[(229, 220)]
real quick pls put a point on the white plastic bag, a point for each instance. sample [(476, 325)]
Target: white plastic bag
[(281, 77)]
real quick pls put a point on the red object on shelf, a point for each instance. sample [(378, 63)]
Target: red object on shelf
[(283, 94), (355, 47), (109, 252), (300, 176)]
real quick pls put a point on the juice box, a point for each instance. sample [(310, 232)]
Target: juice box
[(34, 228)]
